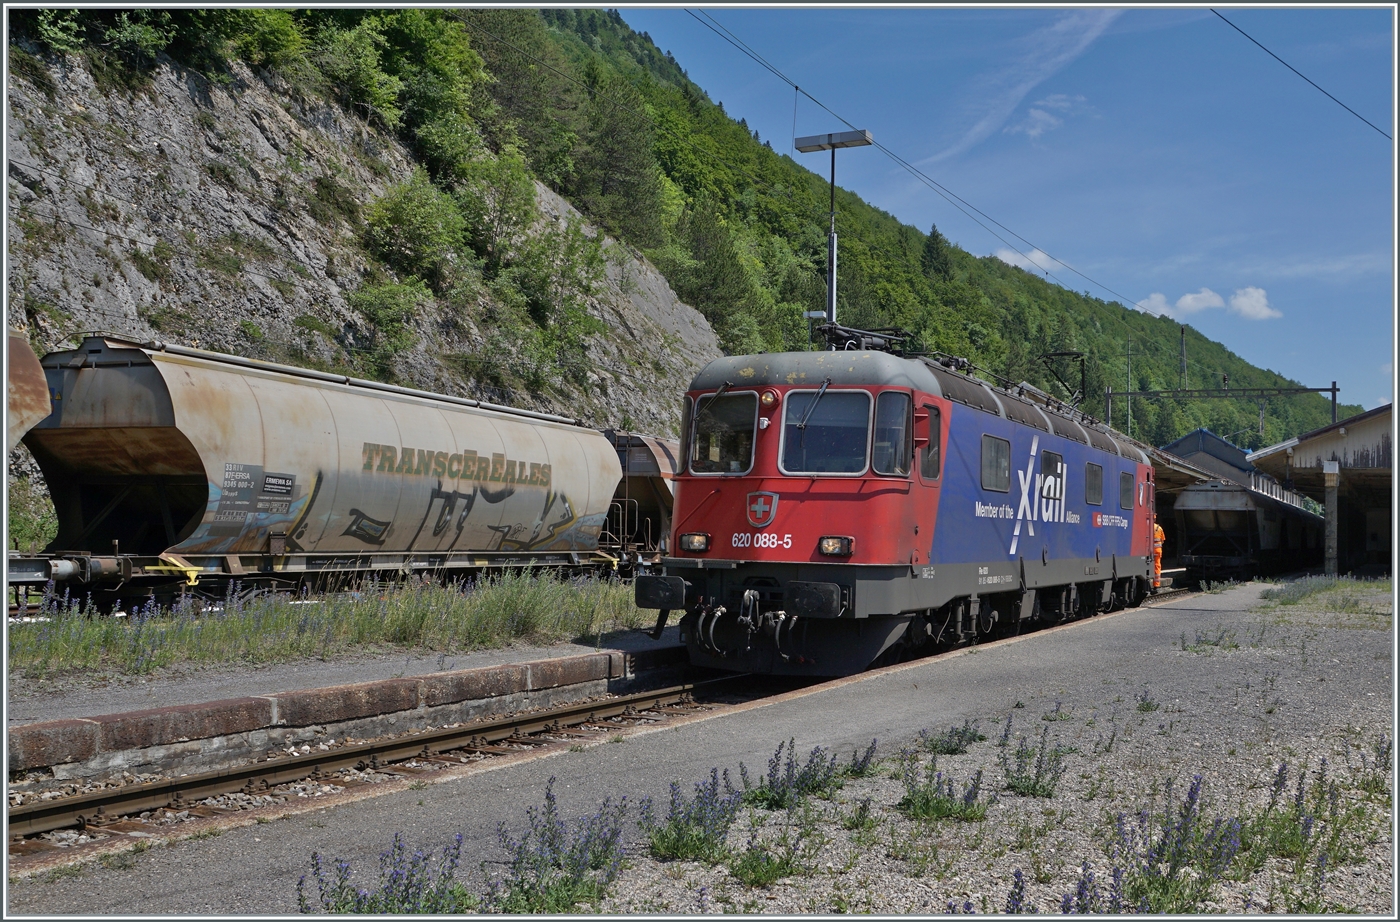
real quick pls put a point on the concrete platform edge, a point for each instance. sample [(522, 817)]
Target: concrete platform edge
[(91, 746)]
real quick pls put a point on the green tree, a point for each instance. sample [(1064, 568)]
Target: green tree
[(936, 259), (617, 181), (496, 197)]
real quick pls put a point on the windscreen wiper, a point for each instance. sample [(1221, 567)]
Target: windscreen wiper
[(712, 398), (813, 405)]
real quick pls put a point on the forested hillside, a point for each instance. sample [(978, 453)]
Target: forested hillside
[(487, 101)]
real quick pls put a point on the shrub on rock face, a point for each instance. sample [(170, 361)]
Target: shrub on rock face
[(417, 229)]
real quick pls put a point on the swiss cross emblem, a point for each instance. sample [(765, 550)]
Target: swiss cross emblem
[(762, 508)]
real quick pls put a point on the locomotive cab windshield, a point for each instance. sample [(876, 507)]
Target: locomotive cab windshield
[(724, 433)]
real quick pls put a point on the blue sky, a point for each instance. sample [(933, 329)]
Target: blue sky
[(1157, 151)]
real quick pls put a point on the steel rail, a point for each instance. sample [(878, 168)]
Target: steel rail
[(101, 807)]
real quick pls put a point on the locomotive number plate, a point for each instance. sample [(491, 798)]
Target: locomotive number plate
[(761, 539)]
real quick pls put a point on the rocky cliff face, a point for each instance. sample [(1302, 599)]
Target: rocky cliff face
[(226, 216)]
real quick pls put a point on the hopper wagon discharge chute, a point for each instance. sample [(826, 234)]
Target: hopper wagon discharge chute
[(173, 468)]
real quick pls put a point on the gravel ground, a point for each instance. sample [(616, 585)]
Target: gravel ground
[(1248, 689), (1295, 684), (65, 697)]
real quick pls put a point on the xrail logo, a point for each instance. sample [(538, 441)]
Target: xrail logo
[(1042, 494)]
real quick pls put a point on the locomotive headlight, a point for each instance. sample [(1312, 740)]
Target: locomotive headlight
[(695, 541), (769, 399), (836, 546)]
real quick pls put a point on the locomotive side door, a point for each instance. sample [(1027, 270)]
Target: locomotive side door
[(930, 431)]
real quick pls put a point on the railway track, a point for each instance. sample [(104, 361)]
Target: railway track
[(109, 810)]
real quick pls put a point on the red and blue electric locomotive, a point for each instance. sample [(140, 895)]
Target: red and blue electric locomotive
[(839, 509)]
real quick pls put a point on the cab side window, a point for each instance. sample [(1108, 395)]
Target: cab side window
[(1125, 490), (893, 433), (931, 465)]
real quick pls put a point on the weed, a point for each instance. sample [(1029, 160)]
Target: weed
[(952, 742), (1375, 767), (758, 865), (251, 330), (553, 867), (1036, 770), (1016, 897), (1145, 702), (1057, 714), (919, 851), (118, 861), (862, 764), (1156, 858), (785, 783), (224, 174), (314, 324), (1088, 898), (407, 884), (861, 817), (1223, 639), (154, 265), (695, 828), (930, 796)]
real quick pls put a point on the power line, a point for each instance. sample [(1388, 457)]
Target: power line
[(719, 29), (1295, 70)]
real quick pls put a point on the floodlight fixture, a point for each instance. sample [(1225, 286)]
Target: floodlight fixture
[(832, 142)]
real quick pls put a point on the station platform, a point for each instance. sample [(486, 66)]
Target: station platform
[(212, 716)]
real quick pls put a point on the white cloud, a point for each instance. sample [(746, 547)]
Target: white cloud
[(1252, 304), (1189, 304), (1035, 261), (1036, 123), (1155, 303), (1041, 119), (1039, 56)]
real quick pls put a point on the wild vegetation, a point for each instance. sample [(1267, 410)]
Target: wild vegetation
[(490, 100), (60, 635)]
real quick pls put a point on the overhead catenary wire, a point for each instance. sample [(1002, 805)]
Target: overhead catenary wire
[(1296, 71)]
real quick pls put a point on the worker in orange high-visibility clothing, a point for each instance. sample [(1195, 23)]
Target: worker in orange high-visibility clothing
[(1158, 538)]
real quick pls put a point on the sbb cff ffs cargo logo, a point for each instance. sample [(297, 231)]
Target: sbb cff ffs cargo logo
[(762, 508)]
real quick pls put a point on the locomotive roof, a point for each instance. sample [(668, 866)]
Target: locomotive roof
[(797, 368), (886, 370)]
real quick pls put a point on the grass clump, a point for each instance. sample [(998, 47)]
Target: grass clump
[(761, 862), (786, 783), (1205, 642), (1033, 771), (954, 741), (696, 828), (929, 795), (490, 611), (407, 884)]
